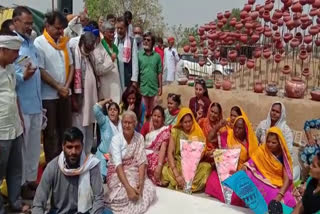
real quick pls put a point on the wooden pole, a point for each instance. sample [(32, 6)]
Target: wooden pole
[(52, 5)]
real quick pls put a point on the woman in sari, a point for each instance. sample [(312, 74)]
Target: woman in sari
[(207, 124), (270, 169), (186, 128), (241, 136), (235, 112), (200, 103), (128, 189), (171, 113), (157, 137), (109, 125)]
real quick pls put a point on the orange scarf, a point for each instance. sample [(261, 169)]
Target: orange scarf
[(268, 165), (61, 46)]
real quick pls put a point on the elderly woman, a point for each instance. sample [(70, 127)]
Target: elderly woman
[(157, 137), (171, 113), (109, 125), (128, 189), (85, 89), (186, 128)]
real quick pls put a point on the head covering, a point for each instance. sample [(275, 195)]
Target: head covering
[(10, 42), (170, 39), (268, 164), (281, 123), (92, 29), (195, 131), (252, 141), (243, 113)]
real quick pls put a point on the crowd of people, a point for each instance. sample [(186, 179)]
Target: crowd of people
[(91, 89)]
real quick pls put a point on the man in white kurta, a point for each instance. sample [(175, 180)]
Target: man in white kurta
[(171, 59)]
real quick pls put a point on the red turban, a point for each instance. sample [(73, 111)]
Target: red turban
[(170, 39)]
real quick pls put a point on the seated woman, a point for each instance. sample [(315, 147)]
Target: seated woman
[(157, 137), (132, 100), (186, 128), (200, 103), (310, 202), (312, 147), (270, 169), (207, 124), (276, 117), (235, 112), (128, 189), (241, 136), (109, 125), (171, 113)]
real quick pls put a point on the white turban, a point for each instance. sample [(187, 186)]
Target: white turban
[(10, 42)]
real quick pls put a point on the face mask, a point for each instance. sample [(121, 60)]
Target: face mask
[(138, 38)]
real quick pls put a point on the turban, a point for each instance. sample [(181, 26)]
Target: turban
[(91, 29), (10, 42), (170, 39)]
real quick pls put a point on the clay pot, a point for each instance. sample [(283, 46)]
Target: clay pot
[(286, 69), (193, 49), (303, 55), (244, 38), (193, 44), (202, 62), (257, 53), (242, 59), (295, 88), (272, 89), (218, 84), (254, 15), (232, 55), (315, 94), (276, 36), (186, 48), (287, 37), (239, 25), (250, 63), (296, 7), (191, 39), (294, 43), (233, 22), (255, 38), (313, 30), (309, 48), (258, 87), (205, 51), (201, 31), (217, 53), (195, 55), (226, 85), (307, 39), (306, 72), (266, 15), (316, 4), (243, 14), (277, 58), (223, 61), (266, 53), (220, 16), (317, 42), (227, 14), (277, 14), (251, 2)]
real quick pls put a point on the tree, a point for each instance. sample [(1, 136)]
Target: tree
[(146, 13), (235, 13), (182, 34)]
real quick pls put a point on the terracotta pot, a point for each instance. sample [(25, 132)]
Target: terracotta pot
[(306, 72), (272, 89), (218, 84), (266, 53), (317, 42), (244, 38), (303, 2), (316, 4), (277, 58), (226, 85), (295, 88), (223, 61), (309, 48), (299, 36), (315, 94), (227, 14), (303, 55), (276, 36), (296, 7), (191, 39), (239, 25), (258, 87), (277, 14), (280, 22), (313, 30), (193, 49), (266, 15), (250, 63), (287, 37), (243, 14), (220, 16), (242, 59), (254, 15), (186, 48), (202, 62), (268, 33), (217, 53), (233, 22), (232, 55), (257, 53), (294, 43), (307, 39), (268, 6), (286, 69), (251, 1), (201, 30)]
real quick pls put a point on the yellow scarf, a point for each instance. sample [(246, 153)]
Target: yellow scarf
[(62, 46), (268, 165), (252, 141), (243, 113), (195, 131)]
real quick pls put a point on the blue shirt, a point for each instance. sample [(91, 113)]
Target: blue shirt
[(29, 91)]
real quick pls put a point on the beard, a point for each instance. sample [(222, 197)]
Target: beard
[(73, 162)]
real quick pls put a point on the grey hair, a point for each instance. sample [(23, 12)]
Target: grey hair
[(131, 114), (84, 14), (106, 26), (87, 38)]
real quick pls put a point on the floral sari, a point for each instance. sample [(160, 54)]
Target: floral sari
[(227, 140), (203, 169), (266, 170)]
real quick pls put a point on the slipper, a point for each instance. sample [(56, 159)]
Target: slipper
[(275, 207)]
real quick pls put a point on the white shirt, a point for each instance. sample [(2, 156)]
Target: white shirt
[(118, 147), (171, 59), (52, 61), (10, 122)]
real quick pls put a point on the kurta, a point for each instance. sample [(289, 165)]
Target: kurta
[(108, 75), (131, 157), (171, 59), (64, 191)]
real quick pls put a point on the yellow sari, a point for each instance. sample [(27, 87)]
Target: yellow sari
[(203, 170)]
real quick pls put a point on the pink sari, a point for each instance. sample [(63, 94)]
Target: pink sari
[(158, 138)]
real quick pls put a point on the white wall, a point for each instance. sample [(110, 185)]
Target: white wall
[(42, 5)]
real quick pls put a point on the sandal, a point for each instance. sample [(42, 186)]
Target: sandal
[(275, 207)]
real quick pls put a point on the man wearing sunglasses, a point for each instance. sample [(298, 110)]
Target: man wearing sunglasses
[(150, 72)]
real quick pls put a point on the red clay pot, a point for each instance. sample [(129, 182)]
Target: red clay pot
[(313, 30), (287, 37), (258, 87), (251, 1), (227, 14), (286, 69), (250, 63), (232, 55), (303, 55), (267, 53), (223, 61), (193, 49), (306, 72), (316, 4), (294, 43), (315, 95), (307, 39), (242, 59), (218, 84), (295, 88), (186, 48), (317, 42), (257, 53), (191, 39), (296, 7), (277, 58), (226, 85), (202, 62)]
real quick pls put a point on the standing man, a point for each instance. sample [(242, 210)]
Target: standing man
[(128, 54), (171, 59), (105, 58), (72, 180), (160, 49), (138, 36), (76, 25), (128, 19), (111, 19), (11, 129), (56, 66), (150, 72), (29, 95)]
